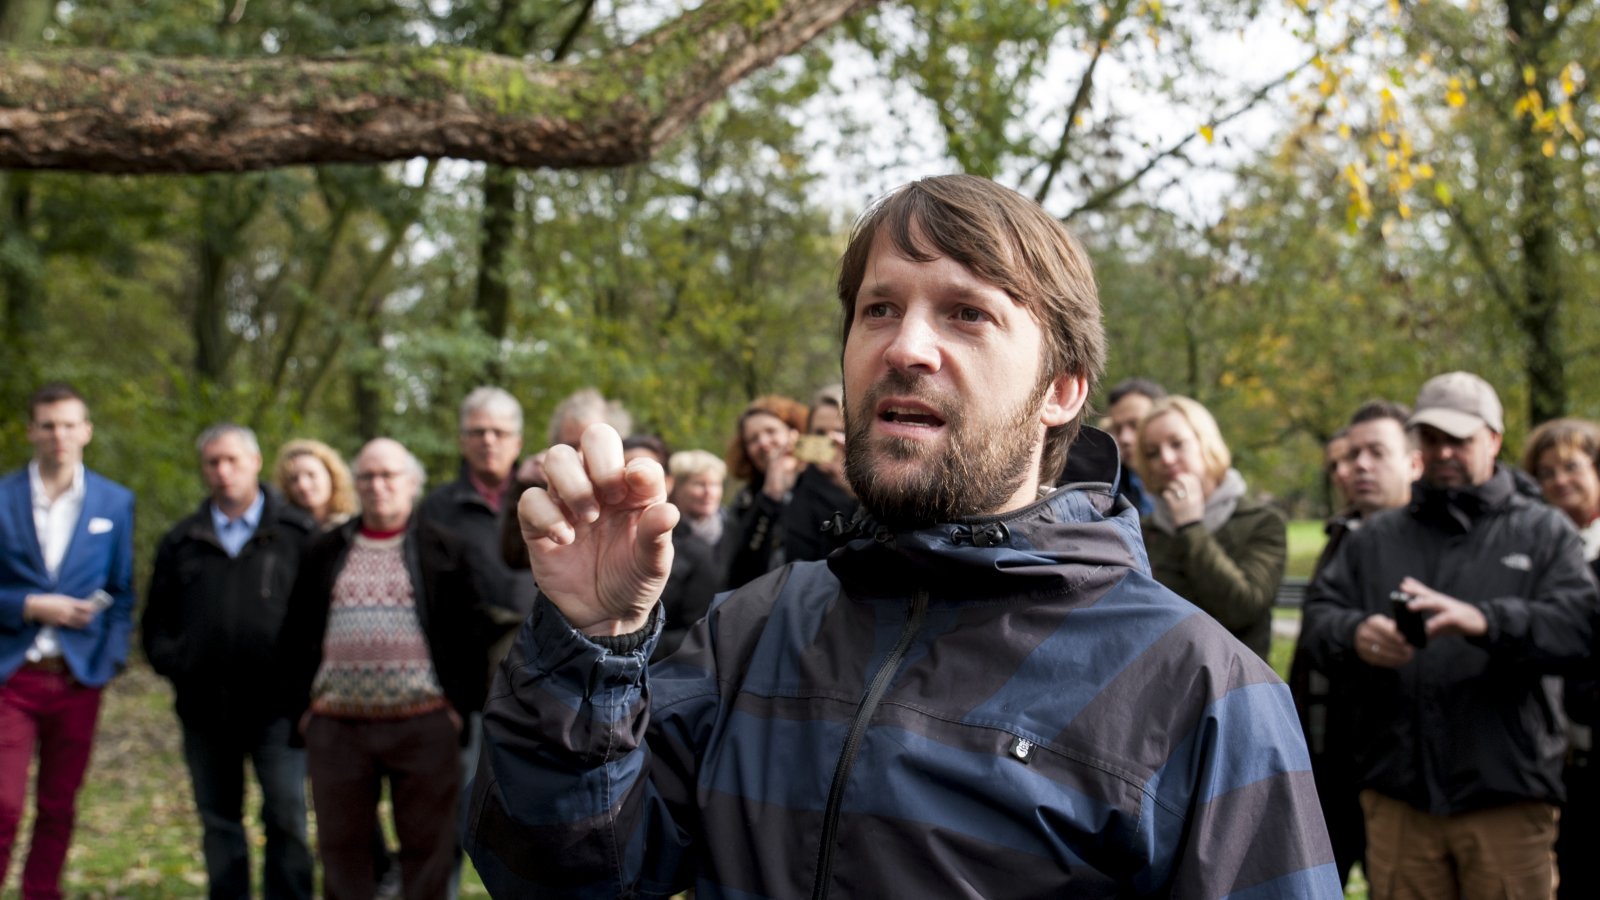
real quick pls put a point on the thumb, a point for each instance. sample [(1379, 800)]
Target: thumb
[(653, 536)]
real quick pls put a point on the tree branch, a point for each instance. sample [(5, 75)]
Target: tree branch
[(1105, 195), (104, 111), (1080, 99)]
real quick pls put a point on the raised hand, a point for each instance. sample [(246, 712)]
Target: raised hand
[(1185, 498), (600, 536), (782, 469)]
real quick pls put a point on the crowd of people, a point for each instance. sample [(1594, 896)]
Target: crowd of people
[(954, 647), (334, 624)]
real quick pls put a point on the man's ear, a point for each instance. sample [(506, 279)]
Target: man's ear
[(1063, 400)]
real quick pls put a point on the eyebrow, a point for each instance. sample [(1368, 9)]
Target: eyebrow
[(960, 293)]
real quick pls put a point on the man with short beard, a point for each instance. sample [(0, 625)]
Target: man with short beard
[(984, 694), (1446, 617)]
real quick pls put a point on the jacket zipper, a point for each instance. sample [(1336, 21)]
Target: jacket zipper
[(852, 743)]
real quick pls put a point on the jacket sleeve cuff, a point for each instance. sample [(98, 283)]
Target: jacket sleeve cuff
[(1503, 617), (623, 644), (552, 632)]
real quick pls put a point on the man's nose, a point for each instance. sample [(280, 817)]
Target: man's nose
[(915, 346)]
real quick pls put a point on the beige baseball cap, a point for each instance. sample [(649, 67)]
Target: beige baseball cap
[(1458, 404)]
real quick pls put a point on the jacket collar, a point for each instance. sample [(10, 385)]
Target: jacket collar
[(1081, 530), (1458, 509), (275, 511)]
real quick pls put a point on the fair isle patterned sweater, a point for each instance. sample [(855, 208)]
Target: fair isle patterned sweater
[(375, 659)]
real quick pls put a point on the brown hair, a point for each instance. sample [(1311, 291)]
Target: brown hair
[(55, 392), (791, 412), (1010, 242), (1576, 436)]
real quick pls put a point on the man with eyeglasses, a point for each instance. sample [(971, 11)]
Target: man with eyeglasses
[(218, 592), (384, 644), (470, 506)]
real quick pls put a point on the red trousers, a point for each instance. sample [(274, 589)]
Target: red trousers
[(53, 712)]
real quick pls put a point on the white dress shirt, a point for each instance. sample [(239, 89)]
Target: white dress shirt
[(53, 524)]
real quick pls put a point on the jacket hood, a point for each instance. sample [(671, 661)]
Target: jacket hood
[(1089, 531)]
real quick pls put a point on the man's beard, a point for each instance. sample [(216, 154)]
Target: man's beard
[(977, 470)]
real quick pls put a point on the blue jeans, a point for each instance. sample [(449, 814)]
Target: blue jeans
[(216, 770)]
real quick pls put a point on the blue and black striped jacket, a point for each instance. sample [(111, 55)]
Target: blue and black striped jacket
[(1003, 707)]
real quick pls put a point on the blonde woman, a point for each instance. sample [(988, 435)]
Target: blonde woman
[(1207, 539), (314, 477)]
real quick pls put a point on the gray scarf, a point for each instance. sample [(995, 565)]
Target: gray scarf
[(1219, 506)]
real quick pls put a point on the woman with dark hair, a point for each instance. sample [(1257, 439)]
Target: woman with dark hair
[(1563, 455), (761, 455), (1207, 539)]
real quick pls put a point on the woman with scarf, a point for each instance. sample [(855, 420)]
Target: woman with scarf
[(1207, 540), (1564, 455)]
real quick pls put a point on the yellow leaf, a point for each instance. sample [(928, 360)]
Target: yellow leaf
[(1405, 211), (1455, 98), (1205, 132), (1549, 147), (1344, 130), (1424, 171), (1529, 76), (1442, 191)]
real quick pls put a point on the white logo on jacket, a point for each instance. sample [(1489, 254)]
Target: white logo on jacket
[(1519, 561)]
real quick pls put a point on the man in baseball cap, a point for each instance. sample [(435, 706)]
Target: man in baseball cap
[(1446, 614)]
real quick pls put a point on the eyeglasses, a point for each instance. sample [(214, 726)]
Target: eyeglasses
[(370, 477), (478, 434)]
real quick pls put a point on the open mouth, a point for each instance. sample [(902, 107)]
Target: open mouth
[(914, 416)]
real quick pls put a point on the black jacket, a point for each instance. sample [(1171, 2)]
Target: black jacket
[(458, 509), (696, 578), (1469, 723), (211, 622), (448, 592), (751, 545), (812, 507)]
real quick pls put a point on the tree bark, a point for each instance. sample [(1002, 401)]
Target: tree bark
[(104, 111), (1539, 313)]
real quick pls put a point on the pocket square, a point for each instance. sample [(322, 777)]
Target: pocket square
[(98, 525)]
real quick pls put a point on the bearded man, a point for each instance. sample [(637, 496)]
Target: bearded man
[(984, 694)]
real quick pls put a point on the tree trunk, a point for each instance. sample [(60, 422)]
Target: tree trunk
[(22, 21), (104, 111), (1539, 314)]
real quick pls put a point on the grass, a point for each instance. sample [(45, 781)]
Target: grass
[(138, 835), (1305, 543)]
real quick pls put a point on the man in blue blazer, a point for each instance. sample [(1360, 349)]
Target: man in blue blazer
[(66, 610)]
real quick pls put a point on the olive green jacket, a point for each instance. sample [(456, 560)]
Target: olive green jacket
[(1232, 574)]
